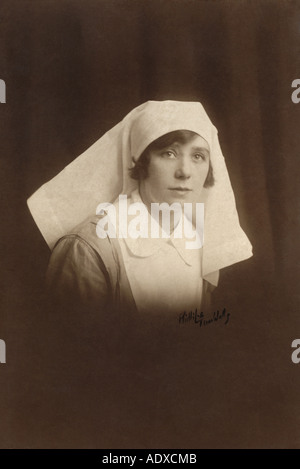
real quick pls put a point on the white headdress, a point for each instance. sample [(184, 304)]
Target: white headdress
[(100, 174)]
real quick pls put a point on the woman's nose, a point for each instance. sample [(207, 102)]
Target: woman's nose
[(183, 170)]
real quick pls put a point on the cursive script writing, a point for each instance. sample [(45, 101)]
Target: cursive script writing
[(202, 320)]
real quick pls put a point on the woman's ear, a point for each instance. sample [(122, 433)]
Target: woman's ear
[(133, 162)]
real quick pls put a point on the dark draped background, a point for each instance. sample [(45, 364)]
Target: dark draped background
[(73, 69)]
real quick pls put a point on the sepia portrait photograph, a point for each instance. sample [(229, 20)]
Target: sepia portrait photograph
[(150, 224)]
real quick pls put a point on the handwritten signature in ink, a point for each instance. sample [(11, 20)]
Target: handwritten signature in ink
[(202, 320)]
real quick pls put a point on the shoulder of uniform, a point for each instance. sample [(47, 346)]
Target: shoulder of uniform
[(87, 231), (106, 248)]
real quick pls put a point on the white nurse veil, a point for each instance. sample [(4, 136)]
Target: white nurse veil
[(100, 174)]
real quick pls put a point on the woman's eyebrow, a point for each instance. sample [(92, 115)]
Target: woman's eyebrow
[(200, 149), (177, 145)]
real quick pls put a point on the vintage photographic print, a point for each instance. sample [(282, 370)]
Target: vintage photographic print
[(150, 224)]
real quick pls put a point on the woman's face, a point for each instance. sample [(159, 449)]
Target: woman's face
[(176, 173)]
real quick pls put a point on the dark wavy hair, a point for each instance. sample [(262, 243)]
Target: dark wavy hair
[(140, 170)]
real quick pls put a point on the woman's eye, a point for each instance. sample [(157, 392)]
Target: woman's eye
[(199, 156), (169, 154)]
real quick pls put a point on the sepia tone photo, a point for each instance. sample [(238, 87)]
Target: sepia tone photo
[(149, 232)]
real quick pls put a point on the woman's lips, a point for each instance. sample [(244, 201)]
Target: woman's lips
[(180, 190)]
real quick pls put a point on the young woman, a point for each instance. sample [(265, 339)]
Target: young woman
[(161, 154)]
